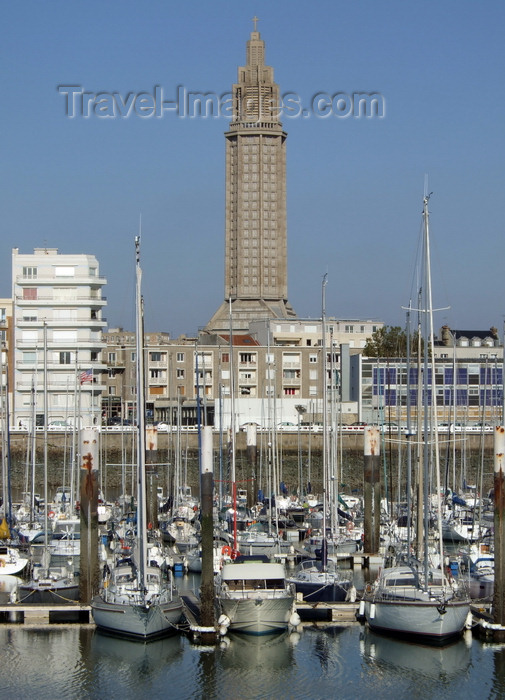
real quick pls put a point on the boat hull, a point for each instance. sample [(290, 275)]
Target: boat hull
[(428, 621), (42, 593), (322, 593), (258, 615), (137, 621)]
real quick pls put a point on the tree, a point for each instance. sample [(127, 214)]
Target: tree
[(389, 341)]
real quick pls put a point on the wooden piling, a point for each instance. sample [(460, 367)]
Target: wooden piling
[(499, 534), (89, 573), (207, 610), (371, 490)]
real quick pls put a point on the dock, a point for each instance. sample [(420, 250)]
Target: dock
[(44, 614)]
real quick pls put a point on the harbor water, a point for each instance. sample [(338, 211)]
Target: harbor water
[(344, 660)]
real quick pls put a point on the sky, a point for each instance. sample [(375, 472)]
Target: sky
[(355, 185)]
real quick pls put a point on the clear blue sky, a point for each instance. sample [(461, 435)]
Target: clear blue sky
[(354, 186)]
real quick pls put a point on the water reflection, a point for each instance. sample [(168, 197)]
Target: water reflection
[(265, 652), (397, 656)]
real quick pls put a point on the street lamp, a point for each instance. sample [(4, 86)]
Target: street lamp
[(300, 409)]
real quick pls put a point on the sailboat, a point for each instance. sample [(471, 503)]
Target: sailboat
[(49, 584), (138, 600), (414, 599)]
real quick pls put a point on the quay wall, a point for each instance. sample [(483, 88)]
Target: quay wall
[(296, 458)]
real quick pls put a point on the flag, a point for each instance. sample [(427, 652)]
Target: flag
[(86, 376)]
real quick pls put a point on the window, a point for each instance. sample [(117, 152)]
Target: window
[(247, 358), (30, 293), (349, 329), (29, 336), (180, 357), (133, 356), (156, 356), (29, 358), (64, 271), (312, 358), (112, 358), (112, 391), (225, 357), (65, 336), (29, 273), (29, 315), (65, 358), (94, 355), (180, 374)]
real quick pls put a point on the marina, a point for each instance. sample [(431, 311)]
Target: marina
[(317, 662)]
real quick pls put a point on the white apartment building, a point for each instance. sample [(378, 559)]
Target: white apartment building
[(57, 335)]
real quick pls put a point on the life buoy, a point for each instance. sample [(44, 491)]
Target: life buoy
[(51, 514), (226, 550)]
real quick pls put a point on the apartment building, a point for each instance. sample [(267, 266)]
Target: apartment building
[(57, 337)]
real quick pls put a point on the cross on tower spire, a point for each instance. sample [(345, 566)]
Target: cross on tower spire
[(255, 20)]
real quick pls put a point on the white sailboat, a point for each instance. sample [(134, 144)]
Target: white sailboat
[(137, 600), (414, 599)]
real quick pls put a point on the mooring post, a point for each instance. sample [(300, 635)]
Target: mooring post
[(372, 490), (89, 575), (151, 477), (499, 530), (252, 454), (207, 610)]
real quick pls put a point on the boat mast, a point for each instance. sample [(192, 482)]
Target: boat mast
[(141, 439), (430, 348), (325, 418)]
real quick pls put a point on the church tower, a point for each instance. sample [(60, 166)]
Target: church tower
[(256, 241)]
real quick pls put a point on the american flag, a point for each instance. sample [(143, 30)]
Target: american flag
[(86, 376)]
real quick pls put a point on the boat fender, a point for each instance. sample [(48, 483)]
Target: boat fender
[(224, 621), (361, 608), (294, 620), (372, 611)]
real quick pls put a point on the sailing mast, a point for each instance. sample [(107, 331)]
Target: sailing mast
[(324, 550), (141, 438), (430, 349)]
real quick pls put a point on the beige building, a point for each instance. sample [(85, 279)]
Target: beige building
[(256, 238)]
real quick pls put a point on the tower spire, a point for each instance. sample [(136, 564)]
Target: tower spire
[(256, 241)]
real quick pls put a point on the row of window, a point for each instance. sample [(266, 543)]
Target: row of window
[(30, 272)]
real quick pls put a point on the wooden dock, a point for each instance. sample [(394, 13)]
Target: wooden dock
[(44, 614)]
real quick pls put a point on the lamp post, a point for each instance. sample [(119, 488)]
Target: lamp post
[(300, 409)]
